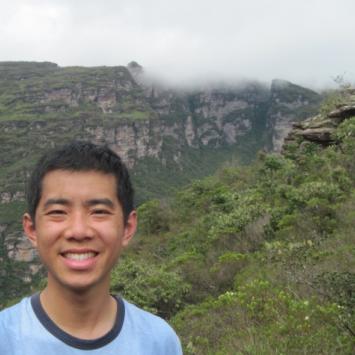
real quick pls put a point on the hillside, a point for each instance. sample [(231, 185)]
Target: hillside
[(258, 259)]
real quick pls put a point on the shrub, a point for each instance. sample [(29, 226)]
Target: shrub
[(259, 316), (156, 290), (153, 217)]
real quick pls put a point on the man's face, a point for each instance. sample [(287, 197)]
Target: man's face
[(79, 230)]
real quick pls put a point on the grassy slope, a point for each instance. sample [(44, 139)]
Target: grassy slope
[(254, 260)]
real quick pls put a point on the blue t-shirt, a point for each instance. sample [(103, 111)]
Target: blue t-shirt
[(26, 329)]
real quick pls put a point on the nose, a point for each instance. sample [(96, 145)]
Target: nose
[(79, 227)]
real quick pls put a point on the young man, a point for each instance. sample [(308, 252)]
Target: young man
[(80, 217)]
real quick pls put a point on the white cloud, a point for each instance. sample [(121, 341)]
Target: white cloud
[(307, 41)]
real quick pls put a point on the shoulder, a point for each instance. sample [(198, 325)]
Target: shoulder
[(150, 328), (13, 314), (12, 322), (143, 317), (146, 321)]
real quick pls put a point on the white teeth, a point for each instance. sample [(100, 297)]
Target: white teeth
[(79, 257)]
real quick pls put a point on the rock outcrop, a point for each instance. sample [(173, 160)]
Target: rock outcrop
[(319, 129)]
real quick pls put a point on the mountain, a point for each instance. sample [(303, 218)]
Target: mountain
[(167, 136), (43, 105)]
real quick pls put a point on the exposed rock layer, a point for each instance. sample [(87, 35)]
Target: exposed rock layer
[(320, 128)]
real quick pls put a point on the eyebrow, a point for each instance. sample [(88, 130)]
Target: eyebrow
[(100, 201), (56, 201), (93, 202)]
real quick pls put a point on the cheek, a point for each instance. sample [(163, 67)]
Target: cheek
[(109, 231), (47, 235), (112, 240)]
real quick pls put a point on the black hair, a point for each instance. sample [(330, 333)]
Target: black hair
[(81, 156)]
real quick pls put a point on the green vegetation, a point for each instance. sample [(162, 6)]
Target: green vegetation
[(253, 260), (256, 259), (28, 90)]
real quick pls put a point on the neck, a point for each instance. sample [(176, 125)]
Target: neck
[(85, 314)]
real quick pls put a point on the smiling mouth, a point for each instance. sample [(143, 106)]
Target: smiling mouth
[(79, 256)]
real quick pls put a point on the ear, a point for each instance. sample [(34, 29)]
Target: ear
[(29, 229), (129, 228)]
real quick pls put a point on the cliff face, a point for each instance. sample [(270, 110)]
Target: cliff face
[(165, 135), (199, 119), (115, 105)]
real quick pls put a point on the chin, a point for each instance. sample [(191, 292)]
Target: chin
[(79, 284)]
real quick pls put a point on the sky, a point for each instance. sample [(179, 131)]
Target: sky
[(308, 42)]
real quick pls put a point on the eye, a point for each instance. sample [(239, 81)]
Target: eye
[(101, 211), (55, 212)]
